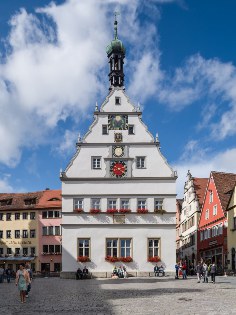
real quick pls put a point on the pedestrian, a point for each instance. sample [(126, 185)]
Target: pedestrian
[(177, 271), (85, 272), (199, 271), (213, 272), (125, 272), (1, 274), (22, 281), (156, 270), (30, 272), (205, 272), (184, 270), (79, 274), (8, 274)]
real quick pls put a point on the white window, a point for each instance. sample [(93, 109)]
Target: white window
[(213, 231), (111, 204), (96, 162), (158, 204), (78, 203), (140, 162), (112, 247), (124, 204), (201, 235), (215, 210), (209, 233), (211, 196), (84, 247), (220, 229), (95, 204), (207, 214), (216, 230), (205, 234), (125, 248), (142, 204), (153, 247)]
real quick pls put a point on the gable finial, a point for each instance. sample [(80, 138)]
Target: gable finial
[(115, 24), (96, 107)]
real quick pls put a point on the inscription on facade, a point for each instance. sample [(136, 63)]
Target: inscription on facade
[(119, 219)]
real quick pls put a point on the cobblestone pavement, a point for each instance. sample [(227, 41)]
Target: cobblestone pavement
[(122, 296)]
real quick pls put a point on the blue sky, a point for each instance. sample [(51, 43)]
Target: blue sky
[(180, 65)]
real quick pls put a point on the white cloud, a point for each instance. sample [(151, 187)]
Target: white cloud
[(67, 145), (202, 166), (4, 184)]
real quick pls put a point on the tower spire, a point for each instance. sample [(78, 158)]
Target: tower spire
[(116, 55)]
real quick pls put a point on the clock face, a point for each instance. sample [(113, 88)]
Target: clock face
[(117, 122), (118, 169), (118, 151)]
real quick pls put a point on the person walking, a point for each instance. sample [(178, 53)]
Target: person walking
[(184, 270), (1, 274), (8, 274), (205, 272), (22, 280), (199, 271), (213, 272), (177, 271), (30, 272), (156, 271)]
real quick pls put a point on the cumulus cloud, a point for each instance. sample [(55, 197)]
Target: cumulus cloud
[(4, 183), (201, 166), (67, 145)]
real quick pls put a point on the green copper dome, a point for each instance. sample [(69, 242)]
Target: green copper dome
[(116, 45)]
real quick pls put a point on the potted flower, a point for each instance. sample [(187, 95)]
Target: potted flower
[(112, 211), (142, 210), (154, 258), (112, 259), (124, 210), (95, 211), (83, 259), (126, 259), (79, 210)]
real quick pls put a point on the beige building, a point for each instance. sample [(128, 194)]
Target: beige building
[(231, 231)]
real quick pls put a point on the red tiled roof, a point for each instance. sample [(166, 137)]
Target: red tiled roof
[(224, 183), (50, 199), (200, 185), (18, 200)]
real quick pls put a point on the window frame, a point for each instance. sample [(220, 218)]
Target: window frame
[(76, 202), (8, 216), (17, 234), (32, 216), (105, 130), (25, 216), (84, 248), (33, 233), (125, 247), (153, 247), (112, 200), (127, 206), (140, 162), (155, 204), (131, 129), (117, 100), (94, 163), (141, 207), (25, 234), (17, 215), (8, 234), (95, 206), (215, 210)]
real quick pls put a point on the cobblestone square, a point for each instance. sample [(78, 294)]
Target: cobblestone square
[(122, 296)]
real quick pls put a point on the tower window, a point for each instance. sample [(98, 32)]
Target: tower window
[(131, 129), (140, 162), (117, 100), (104, 129)]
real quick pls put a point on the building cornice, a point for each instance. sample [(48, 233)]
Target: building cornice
[(97, 113), (102, 144), (121, 195), (105, 213), (108, 179), (118, 225)]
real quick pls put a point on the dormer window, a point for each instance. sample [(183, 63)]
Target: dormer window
[(117, 100), (54, 199), (6, 202), (29, 202)]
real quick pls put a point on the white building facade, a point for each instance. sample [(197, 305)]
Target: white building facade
[(118, 191), (194, 191)]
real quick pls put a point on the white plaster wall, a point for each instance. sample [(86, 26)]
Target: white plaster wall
[(119, 187), (98, 237)]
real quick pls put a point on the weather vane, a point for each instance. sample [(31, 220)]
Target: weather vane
[(115, 24)]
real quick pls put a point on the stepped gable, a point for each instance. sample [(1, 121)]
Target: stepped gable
[(19, 201), (50, 199), (224, 183), (200, 185)]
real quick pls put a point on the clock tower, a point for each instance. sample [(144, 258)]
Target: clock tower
[(118, 191)]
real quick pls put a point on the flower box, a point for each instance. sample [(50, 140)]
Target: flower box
[(160, 211), (79, 210), (126, 259), (154, 259), (83, 258), (112, 259), (112, 210), (95, 211), (142, 210), (124, 210)]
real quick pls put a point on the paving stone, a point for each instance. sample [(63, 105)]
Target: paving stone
[(163, 295)]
